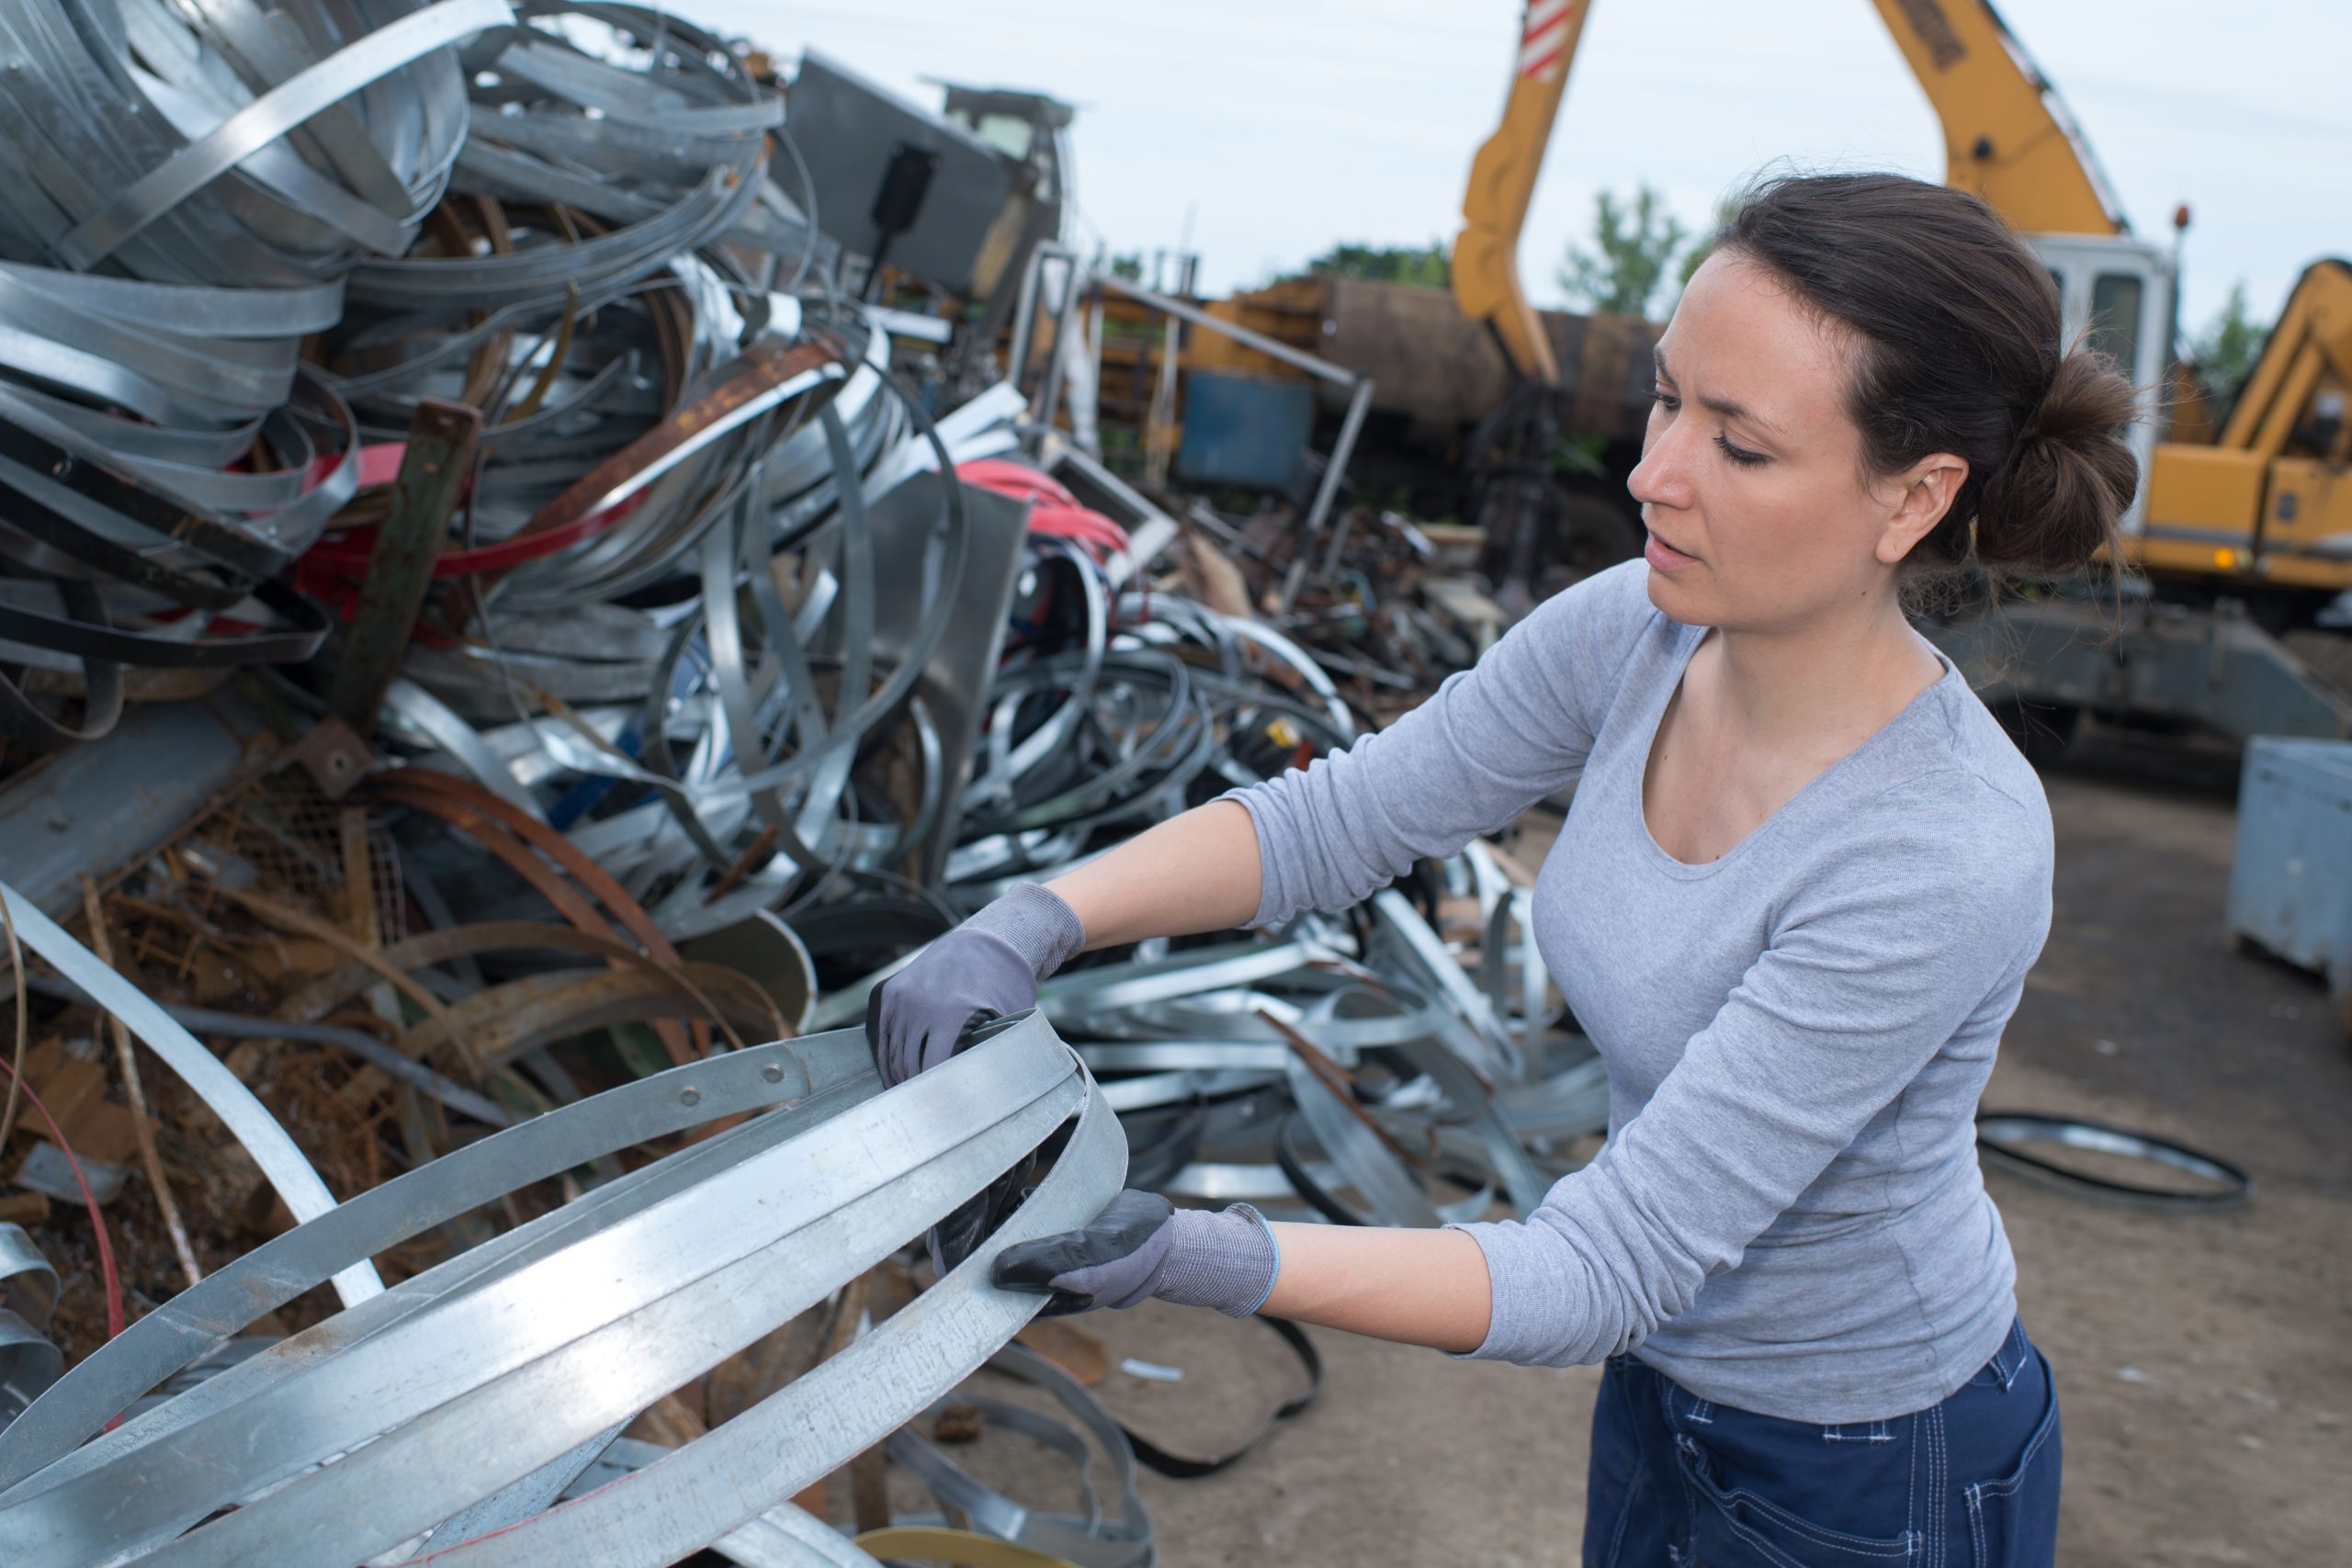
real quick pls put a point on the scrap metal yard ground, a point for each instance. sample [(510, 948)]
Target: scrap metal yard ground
[(2205, 1360)]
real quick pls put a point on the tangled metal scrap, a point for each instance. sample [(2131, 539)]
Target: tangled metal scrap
[(743, 676), (249, 239), (194, 186)]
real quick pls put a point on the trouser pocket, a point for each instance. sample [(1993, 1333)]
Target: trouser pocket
[(2013, 1521), (1736, 1527)]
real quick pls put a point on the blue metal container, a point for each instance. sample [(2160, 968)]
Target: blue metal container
[(1241, 430), (2290, 881)]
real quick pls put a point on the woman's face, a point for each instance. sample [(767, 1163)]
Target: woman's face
[(1761, 512)]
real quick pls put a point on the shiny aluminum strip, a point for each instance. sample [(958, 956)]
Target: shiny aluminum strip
[(182, 1332), (542, 273), (157, 136), (709, 1268), (1365, 1162), (721, 1481), (1115, 986), (1153, 1089), (271, 116), (28, 1280), (748, 723), (410, 705), (1498, 1053), (783, 1537)]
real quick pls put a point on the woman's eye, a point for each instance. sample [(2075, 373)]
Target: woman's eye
[(1740, 455), (1665, 399)]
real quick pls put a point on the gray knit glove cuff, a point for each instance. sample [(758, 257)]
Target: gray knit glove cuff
[(1036, 923), (1225, 1259)]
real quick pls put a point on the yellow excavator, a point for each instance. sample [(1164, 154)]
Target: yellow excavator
[(2236, 533)]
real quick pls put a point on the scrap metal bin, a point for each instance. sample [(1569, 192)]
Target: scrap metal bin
[(2290, 878)]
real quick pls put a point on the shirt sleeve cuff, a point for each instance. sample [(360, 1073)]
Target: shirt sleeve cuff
[(1521, 1289), (1269, 893)]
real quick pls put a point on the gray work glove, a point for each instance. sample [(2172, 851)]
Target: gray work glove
[(1143, 1247), (986, 967)]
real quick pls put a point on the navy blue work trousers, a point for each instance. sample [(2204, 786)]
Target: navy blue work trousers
[(1972, 1483)]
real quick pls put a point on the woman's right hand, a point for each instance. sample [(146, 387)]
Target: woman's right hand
[(986, 967)]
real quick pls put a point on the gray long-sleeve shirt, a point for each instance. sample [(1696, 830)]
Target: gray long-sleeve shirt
[(1787, 1216)]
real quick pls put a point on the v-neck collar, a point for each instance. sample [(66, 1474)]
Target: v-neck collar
[(1819, 784)]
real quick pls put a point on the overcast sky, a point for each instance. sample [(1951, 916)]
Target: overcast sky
[(1275, 128)]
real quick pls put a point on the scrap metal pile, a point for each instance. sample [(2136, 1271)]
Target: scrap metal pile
[(1388, 613), (496, 658)]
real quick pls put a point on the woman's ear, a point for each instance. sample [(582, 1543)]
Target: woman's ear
[(1929, 488)]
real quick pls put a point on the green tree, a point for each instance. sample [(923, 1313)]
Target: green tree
[(1128, 266), (1426, 266), (2230, 343), (1633, 249)]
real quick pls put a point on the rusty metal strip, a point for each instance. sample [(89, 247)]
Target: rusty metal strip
[(462, 803), (757, 382), (509, 1019), (323, 994)]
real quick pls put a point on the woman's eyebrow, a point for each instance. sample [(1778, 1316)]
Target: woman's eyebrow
[(1731, 410), (1723, 406)]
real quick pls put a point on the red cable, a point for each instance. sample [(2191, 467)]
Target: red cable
[(380, 464), (347, 554), (115, 1322), (1054, 510), (1018, 481)]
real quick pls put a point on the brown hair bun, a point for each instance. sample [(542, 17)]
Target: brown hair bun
[(2054, 505)]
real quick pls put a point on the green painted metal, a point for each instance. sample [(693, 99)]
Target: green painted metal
[(433, 475)]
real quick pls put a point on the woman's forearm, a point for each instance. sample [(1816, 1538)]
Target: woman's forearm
[(1200, 872), (1197, 871), (1417, 1286)]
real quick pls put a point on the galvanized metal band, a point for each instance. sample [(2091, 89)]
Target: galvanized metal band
[(271, 116), (691, 1289), (179, 1333), (785, 1535), (735, 1472)]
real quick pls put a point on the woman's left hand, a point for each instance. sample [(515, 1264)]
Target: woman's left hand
[(1142, 1247)]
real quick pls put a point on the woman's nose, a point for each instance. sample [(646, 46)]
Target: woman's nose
[(1661, 478)]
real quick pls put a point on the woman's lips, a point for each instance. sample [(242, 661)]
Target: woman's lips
[(1664, 557)]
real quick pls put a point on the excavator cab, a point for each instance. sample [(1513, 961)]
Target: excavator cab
[(2116, 293)]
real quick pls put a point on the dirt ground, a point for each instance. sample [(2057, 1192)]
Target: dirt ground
[(2204, 1361)]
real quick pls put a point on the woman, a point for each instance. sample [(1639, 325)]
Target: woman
[(1793, 903)]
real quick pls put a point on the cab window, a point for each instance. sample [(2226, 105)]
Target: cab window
[(2115, 318)]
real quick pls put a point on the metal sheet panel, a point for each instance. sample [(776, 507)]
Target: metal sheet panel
[(847, 129), (2290, 880), (1244, 429), (106, 804)]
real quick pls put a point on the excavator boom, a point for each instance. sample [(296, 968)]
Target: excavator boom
[(2312, 340), (2007, 136), (1502, 183)]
